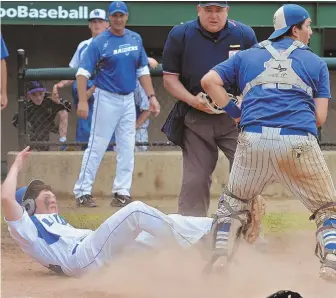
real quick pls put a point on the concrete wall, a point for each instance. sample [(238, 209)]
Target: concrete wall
[(157, 174)]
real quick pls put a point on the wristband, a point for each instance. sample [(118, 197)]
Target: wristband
[(150, 96), (232, 110)]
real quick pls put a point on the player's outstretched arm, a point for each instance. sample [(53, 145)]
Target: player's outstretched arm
[(10, 207)]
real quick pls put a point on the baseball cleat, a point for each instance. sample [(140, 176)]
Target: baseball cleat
[(86, 201), (258, 208), (120, 200), (328, 273)]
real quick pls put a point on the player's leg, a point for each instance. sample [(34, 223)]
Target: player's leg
[(106, 114), (141, 136), (125, 142), (241, 208), (120, 231), (301, 167)]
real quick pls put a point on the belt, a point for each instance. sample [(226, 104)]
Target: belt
[(283, 131)]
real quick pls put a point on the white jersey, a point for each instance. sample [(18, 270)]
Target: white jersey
[(54, 243), (47, 238), (79, 54)]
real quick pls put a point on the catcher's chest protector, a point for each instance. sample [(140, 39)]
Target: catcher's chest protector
[(278, 71)]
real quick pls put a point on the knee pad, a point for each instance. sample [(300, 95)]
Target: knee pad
[(231, 217), (326, 242)]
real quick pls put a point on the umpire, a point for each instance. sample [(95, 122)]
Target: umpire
[(191, 50)]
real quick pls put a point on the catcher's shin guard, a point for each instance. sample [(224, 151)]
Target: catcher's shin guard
[(230, 218), (326, 248), (234, 217)]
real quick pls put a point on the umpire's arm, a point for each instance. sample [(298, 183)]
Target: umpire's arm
[(172, 57)]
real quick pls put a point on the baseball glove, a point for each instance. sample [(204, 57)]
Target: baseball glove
[(215, 108)]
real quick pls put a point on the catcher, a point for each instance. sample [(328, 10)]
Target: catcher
[(41, 111), (286, 90)]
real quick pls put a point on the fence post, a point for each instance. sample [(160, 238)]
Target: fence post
[(20, 96)]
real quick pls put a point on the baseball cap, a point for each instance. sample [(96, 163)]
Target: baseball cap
[(117, 6), (287, 16), (27, 192), (213, 3), (98, 14), (35, 86)]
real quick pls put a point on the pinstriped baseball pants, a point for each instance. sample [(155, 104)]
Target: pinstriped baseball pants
[(294, 161)]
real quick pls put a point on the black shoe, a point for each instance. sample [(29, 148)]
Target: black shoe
[(120, 200), (86, 201)]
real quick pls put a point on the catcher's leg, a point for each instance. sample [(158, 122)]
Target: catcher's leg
[(302, 168), (241, 208)]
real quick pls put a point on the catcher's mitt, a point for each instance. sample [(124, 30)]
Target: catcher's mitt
[(214, 107)]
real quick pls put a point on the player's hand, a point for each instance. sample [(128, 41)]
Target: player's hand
[(154, 106), (4, 101), (200, 104), (21, 157), (55, 94), (153, 63), (83, 109)]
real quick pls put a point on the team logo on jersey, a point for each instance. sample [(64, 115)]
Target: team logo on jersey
[(125, 49), (280, 68), (105, 45)]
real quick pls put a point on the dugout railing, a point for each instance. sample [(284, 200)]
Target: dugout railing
[(35, 74)]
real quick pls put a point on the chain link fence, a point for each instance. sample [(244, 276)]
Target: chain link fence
[(43, 125)]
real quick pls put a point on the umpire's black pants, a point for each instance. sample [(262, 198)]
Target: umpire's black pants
[(203, 135)]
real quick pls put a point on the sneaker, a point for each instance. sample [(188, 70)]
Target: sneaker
[(257, 213), (86, 201), (327, 273), (120, 200)]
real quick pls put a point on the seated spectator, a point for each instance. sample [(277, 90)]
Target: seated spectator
[(40, 116)]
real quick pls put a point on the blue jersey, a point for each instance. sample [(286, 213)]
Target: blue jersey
[(4, 51), (291, 108), (116, 60), (191, 51)]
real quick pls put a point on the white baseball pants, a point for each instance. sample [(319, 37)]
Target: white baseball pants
[(121, 230), (295, 161), (111, 113)]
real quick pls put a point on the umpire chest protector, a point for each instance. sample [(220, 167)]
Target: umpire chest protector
[(278, 71)]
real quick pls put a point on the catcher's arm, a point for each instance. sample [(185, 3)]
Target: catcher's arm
[(212, 84)]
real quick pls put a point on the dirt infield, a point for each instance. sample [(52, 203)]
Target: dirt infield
[(287, 263)]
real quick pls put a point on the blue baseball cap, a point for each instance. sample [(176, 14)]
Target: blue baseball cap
[(117, 6), (287, 16), (27, 192), (213, 3)]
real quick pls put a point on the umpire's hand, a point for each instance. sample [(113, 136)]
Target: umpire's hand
[(83, 109)]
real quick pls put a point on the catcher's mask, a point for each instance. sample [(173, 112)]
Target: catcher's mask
[(26, 196)]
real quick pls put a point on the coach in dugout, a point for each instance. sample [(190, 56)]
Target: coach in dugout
[(191, 50)]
